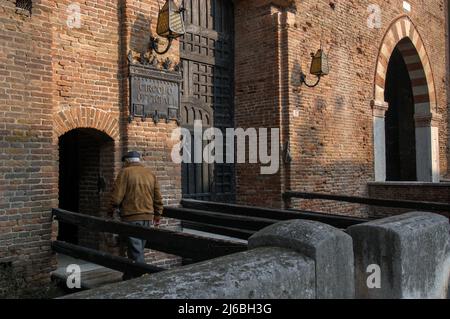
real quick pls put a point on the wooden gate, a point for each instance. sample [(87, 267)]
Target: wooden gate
[(207, 93)]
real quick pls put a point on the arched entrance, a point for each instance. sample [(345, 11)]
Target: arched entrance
[(86, 171), (399, 120), (404, 109)]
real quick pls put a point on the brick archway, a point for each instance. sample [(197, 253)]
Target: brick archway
[(98, 147), (403, 35), (86, 117)]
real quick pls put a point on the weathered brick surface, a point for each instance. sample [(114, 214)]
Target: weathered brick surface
[(330, 127), (54, 79), (28, 171), (439, 193), (257, 91)]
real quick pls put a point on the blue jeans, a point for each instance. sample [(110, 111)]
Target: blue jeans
[(135, 247)]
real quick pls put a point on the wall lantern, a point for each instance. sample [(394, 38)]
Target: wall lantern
[(319, 68), (170, 25)]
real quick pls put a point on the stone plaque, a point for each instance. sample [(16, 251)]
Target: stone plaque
[(155, 93)]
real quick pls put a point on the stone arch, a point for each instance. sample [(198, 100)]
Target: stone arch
[(416, 60), (86, 117), (403, 34)]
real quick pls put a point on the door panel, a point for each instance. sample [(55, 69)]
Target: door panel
[(207, 90)]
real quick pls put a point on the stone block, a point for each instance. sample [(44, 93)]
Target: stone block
[(410, 251), (330, 248), (264, 273)]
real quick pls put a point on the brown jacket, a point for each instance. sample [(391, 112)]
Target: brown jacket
[(136, 193)]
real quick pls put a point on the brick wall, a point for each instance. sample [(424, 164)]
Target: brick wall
[(330, 127), (55, 78), (96, 166), (257, 93), (439, 193), (28, 173)]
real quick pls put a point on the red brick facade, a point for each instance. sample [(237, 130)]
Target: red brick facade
[(55, 79), (427, 192), (329, 128), (28, 166)]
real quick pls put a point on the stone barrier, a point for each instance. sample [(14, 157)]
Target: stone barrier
[(406, 256), (289, 260), (265, 273), (408, 252), (330, 248)]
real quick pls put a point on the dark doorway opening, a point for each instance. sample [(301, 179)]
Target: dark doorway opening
[(86, 168), (400, 124)]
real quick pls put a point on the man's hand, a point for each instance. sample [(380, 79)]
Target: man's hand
[(156, 220), (114, 212)]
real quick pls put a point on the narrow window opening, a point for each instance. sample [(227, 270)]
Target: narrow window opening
[(26, 5)]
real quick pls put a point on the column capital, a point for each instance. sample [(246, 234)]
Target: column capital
[(427, 120), (379, 108)]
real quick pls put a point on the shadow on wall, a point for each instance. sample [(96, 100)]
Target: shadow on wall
[(140, 34), (333, 179), (329, 156), (296, 75)]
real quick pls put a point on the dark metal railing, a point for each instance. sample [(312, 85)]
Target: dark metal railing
[(405, 204), (192, 247), (237, 221), (252, 218), (118, 263)]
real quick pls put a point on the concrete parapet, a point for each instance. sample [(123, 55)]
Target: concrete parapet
[(330, 248), (264, 273), (411, 253)]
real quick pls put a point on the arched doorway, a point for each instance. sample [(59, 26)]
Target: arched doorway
[(86, 171), (405, 115), (399, 121)]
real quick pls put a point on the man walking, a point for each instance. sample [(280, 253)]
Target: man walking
[(137, 198)]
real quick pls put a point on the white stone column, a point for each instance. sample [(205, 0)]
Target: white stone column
[(379, 109), (427, 147)]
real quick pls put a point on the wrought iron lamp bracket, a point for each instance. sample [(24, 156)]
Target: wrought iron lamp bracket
[(154, 45), (303, 80)]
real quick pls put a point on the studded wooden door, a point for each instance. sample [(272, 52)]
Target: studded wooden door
[(207, 90)]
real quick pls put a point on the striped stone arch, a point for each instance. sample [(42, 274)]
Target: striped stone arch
[(86, 117), (403, 34)]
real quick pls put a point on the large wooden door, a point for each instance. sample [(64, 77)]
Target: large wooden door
[(207, 51)]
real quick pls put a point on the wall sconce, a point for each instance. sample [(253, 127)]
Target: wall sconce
[(170, 25), (319, 68)]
